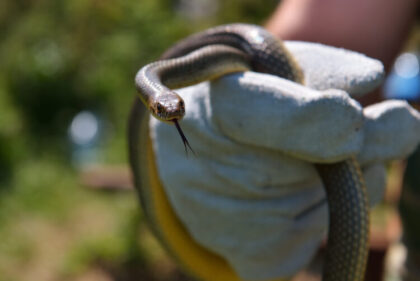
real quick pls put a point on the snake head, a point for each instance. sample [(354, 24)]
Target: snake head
[(168, 107)]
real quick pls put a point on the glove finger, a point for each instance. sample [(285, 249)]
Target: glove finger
[(391, 131), (231, 186), (271, 112), (327, 67)]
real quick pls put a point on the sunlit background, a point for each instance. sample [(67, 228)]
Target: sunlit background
[(66, 86)]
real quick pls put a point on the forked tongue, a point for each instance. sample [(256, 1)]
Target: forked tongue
[(184, 139)]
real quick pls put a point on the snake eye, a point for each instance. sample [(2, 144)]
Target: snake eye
[(159, 107)]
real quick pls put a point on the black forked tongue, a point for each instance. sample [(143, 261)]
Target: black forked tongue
[(184, 139)]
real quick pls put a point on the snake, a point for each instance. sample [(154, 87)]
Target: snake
[(209, 55)]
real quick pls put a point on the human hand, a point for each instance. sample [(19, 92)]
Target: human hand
[(251, 193)]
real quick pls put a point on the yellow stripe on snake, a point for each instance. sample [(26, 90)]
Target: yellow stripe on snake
[(208, 55)]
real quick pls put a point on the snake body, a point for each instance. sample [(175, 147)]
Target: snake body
[(239, 47)]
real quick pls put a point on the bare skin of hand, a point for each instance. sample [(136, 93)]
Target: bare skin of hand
[(377, 28)]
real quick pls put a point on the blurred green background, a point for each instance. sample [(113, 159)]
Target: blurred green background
[(58, 59)]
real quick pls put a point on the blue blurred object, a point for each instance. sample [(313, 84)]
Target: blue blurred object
[(84, 132), (404, 83), (404, 80), (84, 128)]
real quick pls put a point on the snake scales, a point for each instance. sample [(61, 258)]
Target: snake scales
[(240, 47)]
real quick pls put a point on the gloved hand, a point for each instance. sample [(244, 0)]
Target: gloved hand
[(251, 193)]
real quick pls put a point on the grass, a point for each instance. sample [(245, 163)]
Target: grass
[(53, 228)]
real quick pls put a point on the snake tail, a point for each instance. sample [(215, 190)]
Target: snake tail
[(348, 235)]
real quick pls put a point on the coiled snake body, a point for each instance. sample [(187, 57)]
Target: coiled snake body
[(240, 47)]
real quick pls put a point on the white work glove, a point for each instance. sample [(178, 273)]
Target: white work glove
[(250, 193)]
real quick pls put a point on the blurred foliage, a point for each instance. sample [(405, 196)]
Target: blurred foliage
[(58, 58), (71, 55)]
